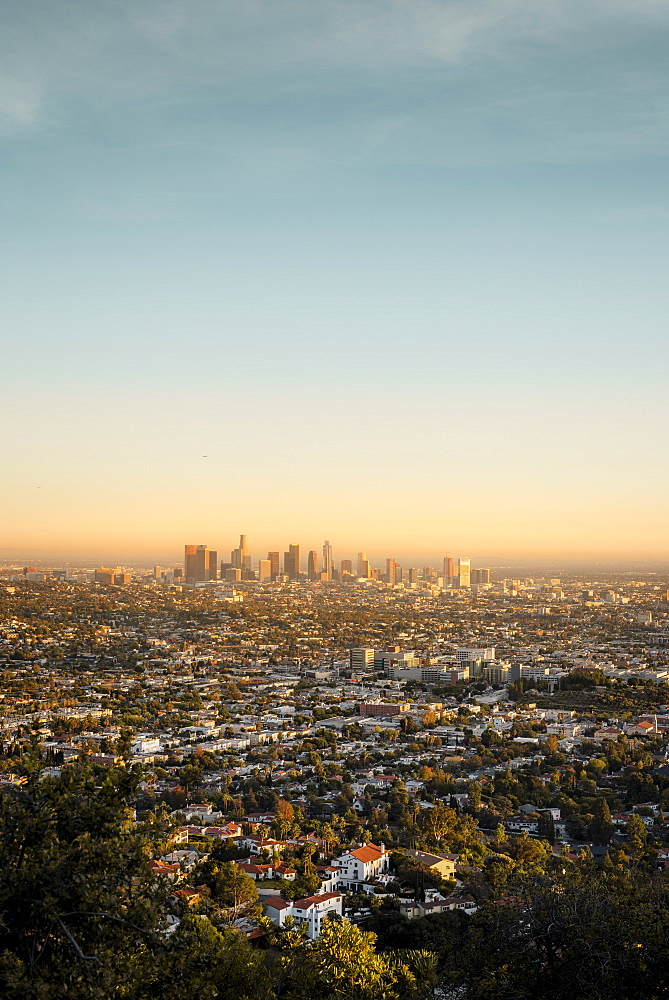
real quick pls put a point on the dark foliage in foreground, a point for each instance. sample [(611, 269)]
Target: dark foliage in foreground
[(82, 917)]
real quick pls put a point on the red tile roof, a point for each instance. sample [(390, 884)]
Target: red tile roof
[(276, 902), (367, 853), (304, 904)]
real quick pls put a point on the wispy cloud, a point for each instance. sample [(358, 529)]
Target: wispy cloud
[(20, 100), (403, 73)]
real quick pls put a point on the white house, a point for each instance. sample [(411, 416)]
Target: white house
[(361, 865), (311, 910)]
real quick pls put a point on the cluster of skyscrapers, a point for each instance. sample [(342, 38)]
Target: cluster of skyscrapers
[(201, 566)]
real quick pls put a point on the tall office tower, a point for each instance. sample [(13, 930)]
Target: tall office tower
[(157, 572), (362, 658), (291, 562), (414, 574), (484, 576), (449, 570), (264, 570), (391, 572), (196, 563), (328, 563), (212, 568), (245, 558), (189, 563), (201, 564), (362, 558), (240, 557), (346, 567), (273, 558), (429, 573), (464, 572), (312, 565)]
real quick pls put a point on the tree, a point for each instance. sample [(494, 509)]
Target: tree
[(547, 827), (285, 814), (601, 827), (83, 917), (343, 964), (474, 796), (232, 890), (636, 835), (416, 875), (583, 933), (191, 776), (201, 961), (301, 887)]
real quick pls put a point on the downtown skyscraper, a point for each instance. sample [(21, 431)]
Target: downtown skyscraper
[(328, 563), (291, 562)]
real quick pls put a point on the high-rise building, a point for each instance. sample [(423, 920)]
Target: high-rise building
[(328, 564), (449, 569), (212, 568), (464, 573), (414, 573), (240, 557), (157, 572), (291, 562), (201, 564), (362, 563), (362, 658), (273, 558), (265, 570), (196, 564), (312, 565), (391, 572), (189, 563), (346, 567), (480, 576)]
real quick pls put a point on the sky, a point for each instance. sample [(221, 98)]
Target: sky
[(390, 272)]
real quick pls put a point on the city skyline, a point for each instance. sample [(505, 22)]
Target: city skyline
[(444, 228), (201, 566), (271, 563)]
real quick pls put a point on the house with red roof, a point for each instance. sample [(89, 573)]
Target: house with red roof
[(361, 865), (310, 911), (256, 872)]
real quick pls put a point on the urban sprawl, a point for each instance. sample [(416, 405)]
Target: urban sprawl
[(339, 743)]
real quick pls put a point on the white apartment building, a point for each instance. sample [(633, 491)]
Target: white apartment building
[(361, 865), (312, 910)]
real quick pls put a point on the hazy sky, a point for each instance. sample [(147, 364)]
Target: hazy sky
[(397, 268)]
